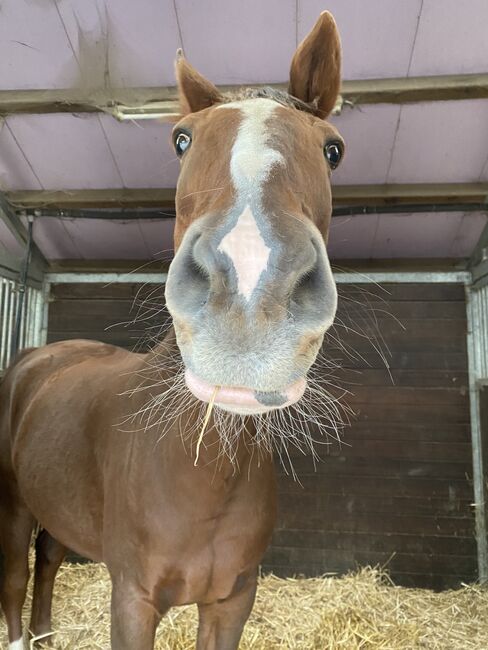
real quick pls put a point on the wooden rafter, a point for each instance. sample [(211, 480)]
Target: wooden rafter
[(163, 100), (343, 195)]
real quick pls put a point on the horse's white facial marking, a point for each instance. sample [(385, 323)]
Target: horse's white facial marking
[(247, 249), (16, 645), (252, 156), (251, 161)]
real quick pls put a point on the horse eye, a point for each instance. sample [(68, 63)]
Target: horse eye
[(333, 153), (182, 142)]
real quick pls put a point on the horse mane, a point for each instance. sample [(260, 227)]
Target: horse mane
[(279, 96)]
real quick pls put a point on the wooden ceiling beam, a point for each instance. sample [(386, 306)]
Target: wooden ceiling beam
[(162, 101), (343, 195)]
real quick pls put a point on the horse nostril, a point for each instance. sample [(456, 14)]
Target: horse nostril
[(197, 272), (197, 280), (305, 287)]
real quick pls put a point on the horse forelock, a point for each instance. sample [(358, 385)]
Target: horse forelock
[(279, 96)]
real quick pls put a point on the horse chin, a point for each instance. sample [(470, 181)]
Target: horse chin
[(242, 400)]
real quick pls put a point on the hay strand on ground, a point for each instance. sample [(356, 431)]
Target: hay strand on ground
[(360, 611)]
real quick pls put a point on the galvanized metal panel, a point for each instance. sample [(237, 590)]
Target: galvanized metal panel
[(31, 320)]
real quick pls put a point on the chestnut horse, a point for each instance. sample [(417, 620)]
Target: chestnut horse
[(99, 445)]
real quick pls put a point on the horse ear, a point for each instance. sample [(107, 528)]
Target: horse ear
[(315, 73), (195, 92)]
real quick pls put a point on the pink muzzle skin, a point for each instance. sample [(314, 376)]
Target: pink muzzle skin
[(240, 399)]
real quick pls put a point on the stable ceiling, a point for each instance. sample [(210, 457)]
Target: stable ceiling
[(91, 43)]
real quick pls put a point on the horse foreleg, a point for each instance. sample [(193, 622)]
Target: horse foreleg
[(49, 556), (221, 623), (134, 618)]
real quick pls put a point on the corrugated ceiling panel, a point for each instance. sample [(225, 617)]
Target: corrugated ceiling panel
[(236, 42), (369, 133), (103, 239), (144, 153), (8, 241), (142, 39), (352, 237), (440, 142), (34, 50), (440, 235), (158, 236), (377, 37), (451, 38), (66, 151), (54, 240), (15, 171)]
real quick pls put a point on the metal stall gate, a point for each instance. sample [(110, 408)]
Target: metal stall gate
[(477, 312), (32, 331)]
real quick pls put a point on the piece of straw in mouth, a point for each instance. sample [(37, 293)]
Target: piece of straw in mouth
[(205, 422)]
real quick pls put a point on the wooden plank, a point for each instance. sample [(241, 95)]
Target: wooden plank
[(404, 431), (389, 543), (435, 452), (107, 291), (400, 360), (409, 579), (402, 377), (430, 292), (388, 505), (405, 486), (345, 195), (333, 560), (96, 315), (346, 466), (163, 100), (335, 519), (404, 309)]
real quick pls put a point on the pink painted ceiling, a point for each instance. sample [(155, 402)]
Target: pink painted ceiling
[(75, 43)]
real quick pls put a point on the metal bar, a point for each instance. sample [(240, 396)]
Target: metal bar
[(459, 277), (405, 208), (44, 312), (3, 321), (22, 287), (476, 438), (109, 278)]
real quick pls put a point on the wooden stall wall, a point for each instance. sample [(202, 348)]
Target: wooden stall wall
[(397, 492)]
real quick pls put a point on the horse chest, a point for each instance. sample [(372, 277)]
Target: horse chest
[(200, 545)]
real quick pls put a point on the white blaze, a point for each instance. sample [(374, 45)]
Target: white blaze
[(251, 161), (247, 249)]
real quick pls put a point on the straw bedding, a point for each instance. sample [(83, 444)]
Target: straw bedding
[(362, 610)]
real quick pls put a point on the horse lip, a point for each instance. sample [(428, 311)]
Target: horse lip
[(240, 396)]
